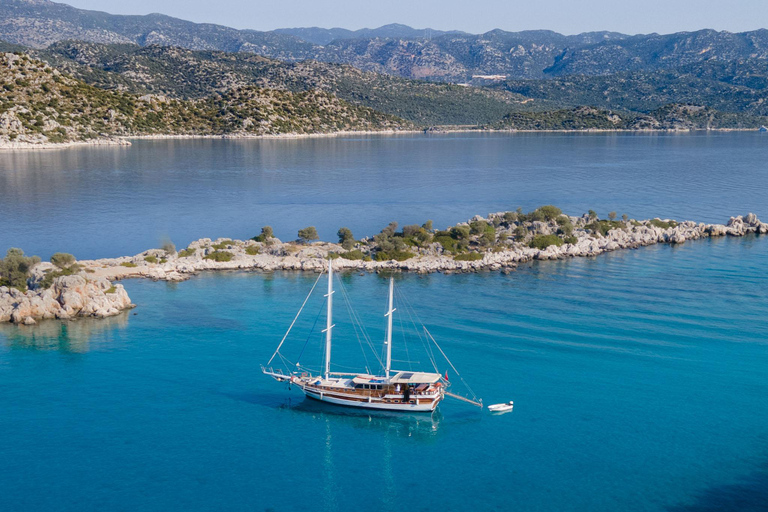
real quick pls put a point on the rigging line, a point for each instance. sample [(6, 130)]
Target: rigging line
[(295, 318), (425, 342), (405, 341), (310, 332), (358, 322), (450, 363), (347, 303)]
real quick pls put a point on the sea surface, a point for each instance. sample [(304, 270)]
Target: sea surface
[(640, 377)]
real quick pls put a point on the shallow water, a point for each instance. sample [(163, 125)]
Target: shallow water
[(639, 377)]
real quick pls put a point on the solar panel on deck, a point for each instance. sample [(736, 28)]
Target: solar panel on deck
[(405, 376)]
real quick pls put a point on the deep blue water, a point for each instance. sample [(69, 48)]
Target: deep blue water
[(100, 202), (639, 377)]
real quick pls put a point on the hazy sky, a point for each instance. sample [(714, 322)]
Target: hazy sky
[(476, 16)]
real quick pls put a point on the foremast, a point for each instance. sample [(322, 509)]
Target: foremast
[(390, 310), (329, 321)]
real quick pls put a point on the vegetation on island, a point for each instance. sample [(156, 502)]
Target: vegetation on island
[(308, 234), (15, 269)]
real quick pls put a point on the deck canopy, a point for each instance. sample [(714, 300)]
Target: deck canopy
[(415, 378), (369, 379)]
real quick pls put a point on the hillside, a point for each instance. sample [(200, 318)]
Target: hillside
[(188, 74), (40, 104), (732, 86), (393, 49), (669, 117)]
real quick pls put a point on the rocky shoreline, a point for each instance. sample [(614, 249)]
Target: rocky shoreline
[(68, 297), (91, 293)]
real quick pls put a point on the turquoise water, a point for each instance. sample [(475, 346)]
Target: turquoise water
[(639, 377)]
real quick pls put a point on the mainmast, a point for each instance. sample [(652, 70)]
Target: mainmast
[(328, 321), (389, 326)]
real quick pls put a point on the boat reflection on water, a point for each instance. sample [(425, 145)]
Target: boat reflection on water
[(420, 426), (72, 336)]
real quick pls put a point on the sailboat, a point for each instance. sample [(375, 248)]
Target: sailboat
[(392, 390)]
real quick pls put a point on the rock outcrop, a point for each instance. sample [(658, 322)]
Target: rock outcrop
[(68, 297), (91, 293), (252, 255)]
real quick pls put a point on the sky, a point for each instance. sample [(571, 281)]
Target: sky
[(475, 16)]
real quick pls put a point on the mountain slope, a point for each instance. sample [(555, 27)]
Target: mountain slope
[(188, 74), (38, 23), (733, 86), (40, 104)]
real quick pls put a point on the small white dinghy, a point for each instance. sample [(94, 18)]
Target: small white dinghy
[(507, 406)]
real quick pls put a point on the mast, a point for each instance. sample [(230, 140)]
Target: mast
[(328, 321), (389, 326)]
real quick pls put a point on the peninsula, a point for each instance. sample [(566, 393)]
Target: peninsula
[(31, 290)]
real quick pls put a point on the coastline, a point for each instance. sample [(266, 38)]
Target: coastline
[(91, 292), (125, 140)]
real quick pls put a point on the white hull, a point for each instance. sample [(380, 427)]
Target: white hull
[(426, 406)]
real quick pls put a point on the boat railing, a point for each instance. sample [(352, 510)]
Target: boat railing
[(276, 374)]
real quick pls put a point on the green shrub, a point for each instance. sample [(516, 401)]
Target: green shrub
[(252, 250), (394, 255), (544, 241), (355, 254), (128, 264), (184, 253), (549, 212), (468, 256), (266, 234), (47, 280), (62, 259), (111, 289), (604, 226), (661, 224), (150, 259), (219, 256), (450, 244), (222, 245), (570, 239)]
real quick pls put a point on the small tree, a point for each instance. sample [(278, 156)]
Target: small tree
[(510, 217), (308, 234), (550, 212), (427, 225), (477, 227), (624, 217), (266, 234), (346, 239), (592, 214), (612, 215), (390, 229), (460, 232), (62, 259), (15, 268), (169, 247), (411, 230)]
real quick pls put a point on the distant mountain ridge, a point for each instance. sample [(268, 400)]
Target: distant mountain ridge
[(400, 50), (323, 36)]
